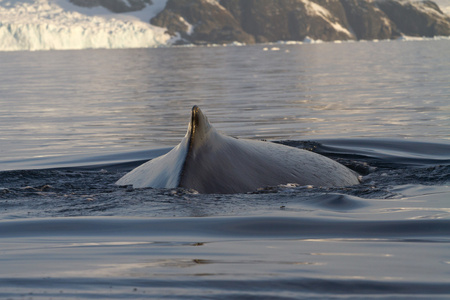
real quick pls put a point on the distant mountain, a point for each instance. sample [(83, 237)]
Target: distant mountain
[(83, 24), (254, 21)]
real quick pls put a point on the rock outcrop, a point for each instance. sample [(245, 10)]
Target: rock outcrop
[(368, 22), (271, 21), (255, 21), (201, 21), (419, 18)]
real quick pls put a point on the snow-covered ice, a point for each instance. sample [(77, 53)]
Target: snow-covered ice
[(58, 24)]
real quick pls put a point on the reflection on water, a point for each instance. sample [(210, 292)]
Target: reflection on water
[(104, 100)]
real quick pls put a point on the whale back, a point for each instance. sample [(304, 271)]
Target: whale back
[(165, 171), (161, 172), (210, 162)]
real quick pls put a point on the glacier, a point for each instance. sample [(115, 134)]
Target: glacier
[(60, 25)]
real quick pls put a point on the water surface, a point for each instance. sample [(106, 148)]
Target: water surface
[(96, 101), (73, 122)]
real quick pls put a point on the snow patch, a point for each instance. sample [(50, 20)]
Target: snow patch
[(58, 24), (317, 10), (444, 5), (216, 3), (190, 27), (338, 27), (426, 9)]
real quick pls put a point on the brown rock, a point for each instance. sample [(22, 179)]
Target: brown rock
[(250, 21), (417, 18), (274, 20), (367, 21), (210, 23)]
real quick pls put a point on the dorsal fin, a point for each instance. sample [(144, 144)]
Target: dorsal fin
[(198, 127)]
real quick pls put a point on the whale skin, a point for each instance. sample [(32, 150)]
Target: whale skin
[(210, 162)]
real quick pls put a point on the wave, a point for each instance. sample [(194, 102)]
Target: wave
[(389, 153), (280, 288), (223, 257), (68, 232), (409, 179), (392, 153), (231, 227)]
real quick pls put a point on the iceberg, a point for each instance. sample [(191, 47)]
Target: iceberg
[(60, 25)]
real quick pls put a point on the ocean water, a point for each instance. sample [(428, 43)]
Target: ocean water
[(73, 122)]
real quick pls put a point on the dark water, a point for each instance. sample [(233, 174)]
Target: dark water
[(74, 127)]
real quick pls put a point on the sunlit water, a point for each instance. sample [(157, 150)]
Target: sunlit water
[(73, 122)]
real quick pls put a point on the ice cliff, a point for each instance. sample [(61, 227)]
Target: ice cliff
[(59, 24)]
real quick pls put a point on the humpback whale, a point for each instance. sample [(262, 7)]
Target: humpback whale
[(210, 162)]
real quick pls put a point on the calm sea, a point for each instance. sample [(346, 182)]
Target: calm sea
[(73, 122)]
